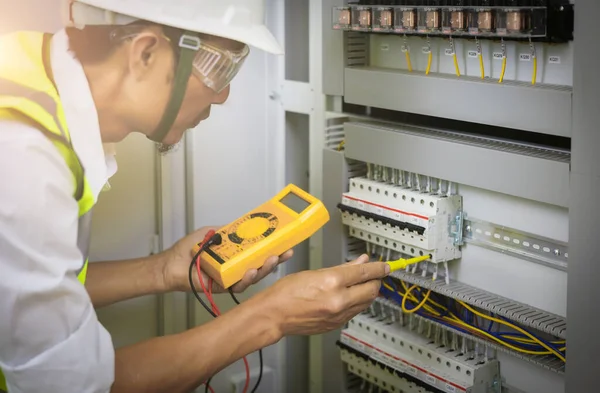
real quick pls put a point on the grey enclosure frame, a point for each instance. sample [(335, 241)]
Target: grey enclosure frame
[(582, 124), (584, 215)]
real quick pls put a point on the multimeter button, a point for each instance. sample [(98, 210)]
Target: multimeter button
[(235, 238), (253, 227), (261, 215)]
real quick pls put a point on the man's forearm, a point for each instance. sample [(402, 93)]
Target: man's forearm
[(111, 282), (180, 363)]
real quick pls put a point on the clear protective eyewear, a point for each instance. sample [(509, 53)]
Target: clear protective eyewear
[(213, 65), (216, 67)]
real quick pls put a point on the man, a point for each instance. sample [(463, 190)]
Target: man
[(147, 66)]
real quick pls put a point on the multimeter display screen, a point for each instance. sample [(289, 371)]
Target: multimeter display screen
[(294, 202)]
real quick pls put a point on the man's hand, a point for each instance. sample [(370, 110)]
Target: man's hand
[(314, 302), (180, 256)]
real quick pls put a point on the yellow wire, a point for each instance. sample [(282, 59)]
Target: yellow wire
[(534, 76), (342, 143), (481, 68), (418, 307), (529, 352), (429, 63), (456, 65), (513, 327), (454, 319), (426, 307), (408, 63), (528, 341), (503, 70)]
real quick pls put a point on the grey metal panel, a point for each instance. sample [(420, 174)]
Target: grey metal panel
[(333, 52), (543, 109), (520, 175), (335, 182), (583, 290), (297, 40)]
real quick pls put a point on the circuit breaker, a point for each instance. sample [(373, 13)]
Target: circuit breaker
[(451, 138)]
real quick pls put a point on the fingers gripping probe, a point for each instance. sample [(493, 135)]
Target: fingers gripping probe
[(403, 263)]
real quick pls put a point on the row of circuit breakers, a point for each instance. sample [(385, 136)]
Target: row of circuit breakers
[(402, 219), (418, 340), (539, 20)]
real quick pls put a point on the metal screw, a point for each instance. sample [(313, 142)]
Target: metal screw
[(468, 228), (557, 252)]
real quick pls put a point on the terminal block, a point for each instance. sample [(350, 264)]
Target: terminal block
[(411, 222), (418, 358), (376, 373)]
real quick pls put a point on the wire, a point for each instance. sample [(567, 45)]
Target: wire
[(454, 57), (418, 306), (203, 245), (480, 54), (193, 286), (534, 77), (408, 62), (429, 58), (531, 345), (260, 354), (208, 388), (406, 50), (503, 70), (503, 62), (481, 67), (210, 239), (517, 328)]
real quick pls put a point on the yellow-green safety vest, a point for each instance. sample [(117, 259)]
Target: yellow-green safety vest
[(28, 94)]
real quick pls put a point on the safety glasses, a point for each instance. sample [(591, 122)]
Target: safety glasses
[(214, 65)]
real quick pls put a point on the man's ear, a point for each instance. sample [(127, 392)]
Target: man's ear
[(143, 53)]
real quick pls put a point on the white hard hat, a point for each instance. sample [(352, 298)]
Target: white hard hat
[(239, 20)]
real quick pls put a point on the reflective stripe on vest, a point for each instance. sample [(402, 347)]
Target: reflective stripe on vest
[(28, 95)]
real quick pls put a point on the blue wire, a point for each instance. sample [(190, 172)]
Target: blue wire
[(523, 335), (500, 335), (489, 329)]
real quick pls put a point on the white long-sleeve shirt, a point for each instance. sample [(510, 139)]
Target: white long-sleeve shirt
[(50, 337)]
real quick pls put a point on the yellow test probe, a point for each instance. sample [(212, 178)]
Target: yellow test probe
[(403, 263)]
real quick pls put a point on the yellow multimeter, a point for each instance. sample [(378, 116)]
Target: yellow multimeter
[(276, 226)]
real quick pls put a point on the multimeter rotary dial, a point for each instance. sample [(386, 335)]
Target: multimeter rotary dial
[(253, 228)]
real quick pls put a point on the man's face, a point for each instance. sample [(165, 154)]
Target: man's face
[(150, 88), (199, 97), (195, 108)]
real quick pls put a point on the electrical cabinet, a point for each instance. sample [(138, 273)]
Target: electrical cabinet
[(449, 133)]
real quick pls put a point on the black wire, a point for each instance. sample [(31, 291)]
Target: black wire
[(190, 277), (197, 295), (260, 354), (213, 240)]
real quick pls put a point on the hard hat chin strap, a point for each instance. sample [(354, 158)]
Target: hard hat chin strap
[(189, 44)]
